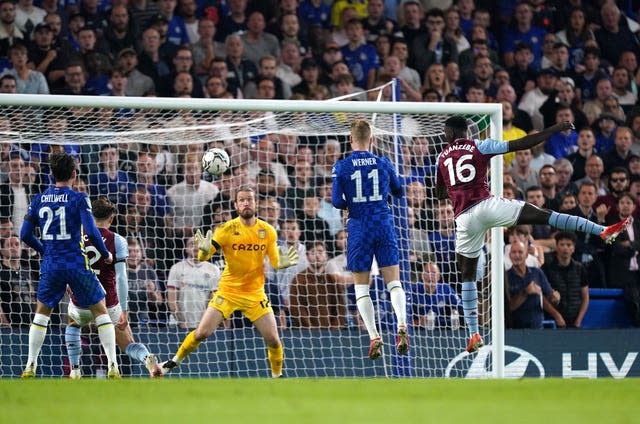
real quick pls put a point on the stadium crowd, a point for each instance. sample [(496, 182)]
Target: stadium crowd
[(544, 61)]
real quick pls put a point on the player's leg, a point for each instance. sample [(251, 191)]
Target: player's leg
[(359, 258), (77, 318), (266, 326), (107, 336), (211, 319), (128, 345), (468, 267), (532, 214), (37, 333), (391, 276)]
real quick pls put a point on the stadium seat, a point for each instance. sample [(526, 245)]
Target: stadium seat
[(606, 310)]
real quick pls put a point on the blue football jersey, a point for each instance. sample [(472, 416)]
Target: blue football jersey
[(63, 216), (362, 183)]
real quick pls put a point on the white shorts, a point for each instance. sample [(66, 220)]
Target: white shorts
[(84, 316), (472, 224)]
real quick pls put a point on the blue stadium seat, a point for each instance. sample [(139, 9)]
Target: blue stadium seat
[(606, 310)]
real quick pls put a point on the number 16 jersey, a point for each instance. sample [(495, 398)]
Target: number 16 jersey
[(462, 169)]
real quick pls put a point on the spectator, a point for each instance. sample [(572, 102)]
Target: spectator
[(241, 70), (283, 277), (443, 241), (530, 294), (205, 49), (435, 79), (138, 84), (28, 81), (575, 34), (413, 18), (314, 12), (310, 74), (562, 144), (15, 196), (570, 279), (593, 169), (28, 16), (523, 74), (392, 67), (189, 197), (533, 99), (45, 57), (267, 69), (521, 119), (9, 31), (614, 34), (523, 30), (122, 33), (594, 108), (521, 171), (548, 183), (289, 67), (258, 43), (540, 232), (144, 293), (235, 22), (361, 58), (327, 212), (586, 143), (145, 175), (150, 61), (313, 227), (622, 263), (187, 11), (620, 153), (16, 291), (182, 63), (8, 85), (621, 82), (535, 251), (432, 294), (176, 31), (589, 73), (317, 300), (110, 181), (190, 285), (432, 46)]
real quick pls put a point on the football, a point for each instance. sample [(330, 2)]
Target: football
[(215, 161)]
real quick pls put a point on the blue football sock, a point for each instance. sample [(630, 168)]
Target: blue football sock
[(137, 351), (74, 346), (574, 223), (470, 305)]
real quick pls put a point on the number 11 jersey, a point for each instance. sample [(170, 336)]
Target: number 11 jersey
[(362, 183), (462, 168)]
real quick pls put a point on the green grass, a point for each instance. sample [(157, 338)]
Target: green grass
[(239, 401)]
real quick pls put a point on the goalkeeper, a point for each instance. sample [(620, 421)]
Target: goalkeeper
[(244, 241)]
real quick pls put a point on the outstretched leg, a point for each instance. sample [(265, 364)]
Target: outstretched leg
[(468, 268), (367, 312)]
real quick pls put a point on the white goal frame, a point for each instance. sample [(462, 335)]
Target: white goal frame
[(492, 110)]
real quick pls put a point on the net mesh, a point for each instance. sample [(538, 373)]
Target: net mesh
[(146, 160)]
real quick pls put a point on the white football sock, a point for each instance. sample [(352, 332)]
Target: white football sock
[(365, 307), (37, 333), (398, 301), (107, 335)]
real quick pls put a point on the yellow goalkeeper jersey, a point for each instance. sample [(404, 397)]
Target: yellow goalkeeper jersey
[(244, 249)]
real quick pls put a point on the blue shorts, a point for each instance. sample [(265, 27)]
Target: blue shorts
[(83, 283), (368, 237)]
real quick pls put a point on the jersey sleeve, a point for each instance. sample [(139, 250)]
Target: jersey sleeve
[(337, 195), (490, 146), (122, 250), (394, 181), (272, 248), (28, 225)]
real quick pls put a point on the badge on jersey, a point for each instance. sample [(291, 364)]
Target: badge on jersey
[(262, 234)]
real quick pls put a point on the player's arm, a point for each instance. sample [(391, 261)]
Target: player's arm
[(26, 232), (394, 181), (120, 264), (441, 190), (207, 246), (337, 195), (532, 140), (280, 259)]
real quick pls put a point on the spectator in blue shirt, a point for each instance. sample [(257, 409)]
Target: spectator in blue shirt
[(433, 294), (530, 294)]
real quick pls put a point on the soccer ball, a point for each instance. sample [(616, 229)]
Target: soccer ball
[(215, 161)]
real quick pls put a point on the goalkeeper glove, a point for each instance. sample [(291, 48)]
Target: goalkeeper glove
[(204, 245), (288, 258)]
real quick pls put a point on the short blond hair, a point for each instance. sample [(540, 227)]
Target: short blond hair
[(360, 131)]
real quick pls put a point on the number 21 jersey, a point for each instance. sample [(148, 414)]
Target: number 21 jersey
[(462, 169)]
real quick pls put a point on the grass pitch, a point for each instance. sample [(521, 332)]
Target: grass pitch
[(185, 401)]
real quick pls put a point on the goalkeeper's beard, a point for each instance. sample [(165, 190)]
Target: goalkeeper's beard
[(247, 213)]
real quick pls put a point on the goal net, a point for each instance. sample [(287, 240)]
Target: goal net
[(144, 155)]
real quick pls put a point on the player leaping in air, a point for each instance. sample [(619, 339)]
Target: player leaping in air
[(362, 183), (113, 277), (244, 241), (63, 216), (462, 176)]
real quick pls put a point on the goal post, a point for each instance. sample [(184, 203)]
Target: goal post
[(177, 129)]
